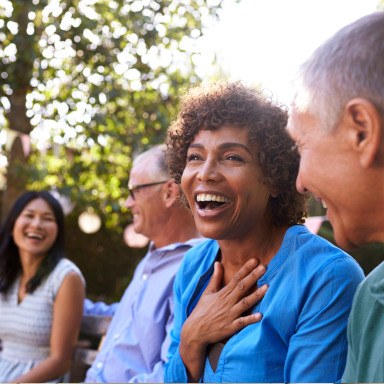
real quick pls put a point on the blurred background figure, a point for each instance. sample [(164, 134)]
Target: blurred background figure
[(41, 292), (135, 346)]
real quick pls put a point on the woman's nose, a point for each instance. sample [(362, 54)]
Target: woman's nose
[(36, 221), (209, 170)]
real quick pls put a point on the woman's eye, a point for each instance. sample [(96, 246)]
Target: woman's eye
[(192, 157), (234, 158)]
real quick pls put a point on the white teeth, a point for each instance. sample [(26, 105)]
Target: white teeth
[(34, 235), (209, 197), (324, 204)]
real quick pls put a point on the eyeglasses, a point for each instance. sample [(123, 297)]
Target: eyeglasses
[(135, 188)]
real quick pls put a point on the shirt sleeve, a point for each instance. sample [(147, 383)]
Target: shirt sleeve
[(349, 374), (319, 346), (174, 369), (157, 374), (350, 368), (99, 308)]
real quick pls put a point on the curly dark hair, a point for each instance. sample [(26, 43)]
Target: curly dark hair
[(213, 106)]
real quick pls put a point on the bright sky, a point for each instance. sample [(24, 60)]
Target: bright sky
[(264, 41)]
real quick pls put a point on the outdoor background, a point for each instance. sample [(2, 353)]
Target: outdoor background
[(86, 84)]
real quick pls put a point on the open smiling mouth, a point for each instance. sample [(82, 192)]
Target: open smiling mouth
[(209, 201), (34, 236)]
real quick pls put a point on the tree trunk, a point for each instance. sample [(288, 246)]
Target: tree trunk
[(17, 115), (16, 181)]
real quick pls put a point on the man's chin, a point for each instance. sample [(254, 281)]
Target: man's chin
[(344, 242), (136, 228)]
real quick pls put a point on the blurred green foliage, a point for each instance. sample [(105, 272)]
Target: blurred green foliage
[(93, 82)]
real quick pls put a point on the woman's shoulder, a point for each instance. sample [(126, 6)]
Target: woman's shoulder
[(61, 270), (312, 244), (317, 252), (65, 266), (318, 260)]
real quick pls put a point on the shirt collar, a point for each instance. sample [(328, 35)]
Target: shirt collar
[(173, 246)]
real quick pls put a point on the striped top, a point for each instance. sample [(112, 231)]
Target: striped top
[(25, 327)]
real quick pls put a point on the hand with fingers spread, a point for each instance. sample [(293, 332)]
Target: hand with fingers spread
[(220, 313)]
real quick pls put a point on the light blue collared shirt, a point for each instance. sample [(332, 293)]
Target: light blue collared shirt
[(135, 346), (99, 308), (302, 336)]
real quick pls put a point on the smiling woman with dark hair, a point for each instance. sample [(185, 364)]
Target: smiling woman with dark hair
[(41, 292), (264, 300)]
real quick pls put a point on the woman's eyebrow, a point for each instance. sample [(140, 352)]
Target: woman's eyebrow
[(226, 145)]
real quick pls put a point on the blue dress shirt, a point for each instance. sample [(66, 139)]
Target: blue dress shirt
[(99, 308), (135, 346), (302, 335)]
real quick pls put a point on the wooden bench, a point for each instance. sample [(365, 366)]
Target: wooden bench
[(92, 331)]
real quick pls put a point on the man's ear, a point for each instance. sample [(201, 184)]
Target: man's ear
[(172, 191), (366, 130)]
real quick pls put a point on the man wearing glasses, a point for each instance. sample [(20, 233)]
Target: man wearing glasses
[(135, 346)]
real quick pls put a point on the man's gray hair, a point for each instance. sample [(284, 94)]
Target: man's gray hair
[(350, 64), (157, 152)]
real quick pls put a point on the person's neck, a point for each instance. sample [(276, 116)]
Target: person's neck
[(29, 264), (234, 254), (178, 231)]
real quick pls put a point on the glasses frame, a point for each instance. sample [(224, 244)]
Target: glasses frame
[(136, 188)]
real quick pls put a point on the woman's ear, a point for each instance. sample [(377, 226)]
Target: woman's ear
[(365, 130), (273, 192)]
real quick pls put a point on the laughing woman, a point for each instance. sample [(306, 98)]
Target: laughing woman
[(264, 300), (41, 292)]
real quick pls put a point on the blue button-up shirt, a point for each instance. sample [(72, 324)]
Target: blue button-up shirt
[(99, 308), (302, 336), (135, 346)]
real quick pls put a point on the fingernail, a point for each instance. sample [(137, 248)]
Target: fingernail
[(262, 268), (254, 262), (257, 316), (264, 287)]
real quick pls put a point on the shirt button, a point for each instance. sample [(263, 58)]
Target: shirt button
[(116, 336), (99, 365), (144, 277)]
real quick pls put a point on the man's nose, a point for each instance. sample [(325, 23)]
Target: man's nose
[(299, 184), (129, 202)]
